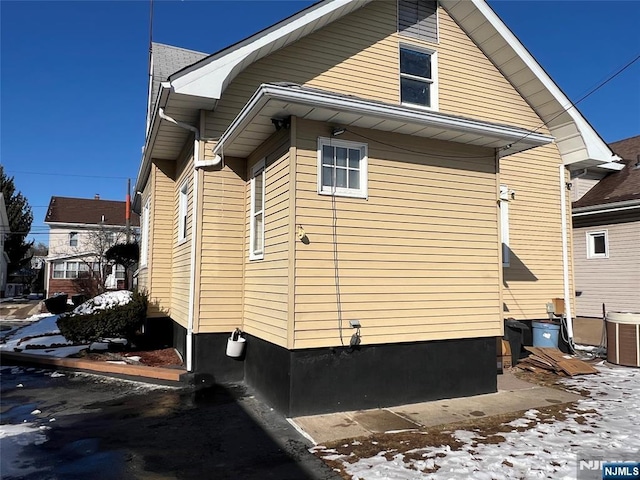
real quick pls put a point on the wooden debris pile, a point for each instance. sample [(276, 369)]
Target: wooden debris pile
[(553, 360)]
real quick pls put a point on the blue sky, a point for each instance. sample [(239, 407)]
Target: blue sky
[(73, 78)]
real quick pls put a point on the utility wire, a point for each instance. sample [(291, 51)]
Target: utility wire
[(65, 174), (584, 97)]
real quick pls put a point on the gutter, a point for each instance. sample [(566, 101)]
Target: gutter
[(565, 253), (197, 164), (606, 208), (318, 98)]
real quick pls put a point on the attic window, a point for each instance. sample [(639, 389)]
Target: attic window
[(418, 19), (418, 77), (73, 239)]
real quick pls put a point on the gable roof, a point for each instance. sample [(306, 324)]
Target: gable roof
[(623, 187), (200, 85), (88, 211)]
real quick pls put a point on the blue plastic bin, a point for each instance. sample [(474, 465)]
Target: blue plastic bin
[(545, 334)]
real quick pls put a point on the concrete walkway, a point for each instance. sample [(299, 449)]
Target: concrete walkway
[(513, 395)]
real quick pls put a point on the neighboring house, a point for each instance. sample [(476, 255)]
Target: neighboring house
[(401, 167), (606, 237), (4, 232), (80, 232)]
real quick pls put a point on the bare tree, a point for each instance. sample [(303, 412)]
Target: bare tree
[(95, 272)]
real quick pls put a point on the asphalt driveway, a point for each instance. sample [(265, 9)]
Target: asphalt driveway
[(87, 426)]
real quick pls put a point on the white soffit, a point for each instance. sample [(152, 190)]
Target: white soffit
[(210, 76), (579, 144), (253, 124)]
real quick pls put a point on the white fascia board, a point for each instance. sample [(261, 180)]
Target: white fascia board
[(615, 166), (208, 77), (145, 164), (597, 149), (364, 107)]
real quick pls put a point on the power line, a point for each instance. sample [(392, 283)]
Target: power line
[(67, 175), (584, 97)]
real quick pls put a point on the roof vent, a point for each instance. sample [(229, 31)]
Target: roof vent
[(96, 196)]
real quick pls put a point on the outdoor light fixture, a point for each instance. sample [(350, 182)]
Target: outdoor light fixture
[(338, 131), (281, 123)]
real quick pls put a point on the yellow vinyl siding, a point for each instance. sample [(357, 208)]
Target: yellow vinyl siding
[(359, 55), (418, 260), (159, 256), (535, 275), (266, 280), (222, 252), (355, 55), (181, 249)]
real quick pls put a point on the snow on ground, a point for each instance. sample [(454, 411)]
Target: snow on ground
[(42, 334), (605, 423), (104, 301)]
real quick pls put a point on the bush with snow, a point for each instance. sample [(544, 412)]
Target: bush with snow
[(114, 314)]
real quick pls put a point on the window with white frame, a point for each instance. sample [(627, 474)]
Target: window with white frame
[(182, 212), (597, 244), (120, 272), (144, 237), (74, 269), (418, 77), (73, 239), (342, 168), (504, 224), (256, 231)]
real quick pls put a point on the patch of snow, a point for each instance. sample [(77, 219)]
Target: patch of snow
[(602, 426), (14, 439), (19, 385), (45, 341), (59, 352), (57, 374), (36, 412), (103, 302), (41, 325), (134, 358)]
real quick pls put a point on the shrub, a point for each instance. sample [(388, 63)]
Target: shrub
[(122, 321)]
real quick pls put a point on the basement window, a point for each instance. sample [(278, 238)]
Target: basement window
[(597, 244)]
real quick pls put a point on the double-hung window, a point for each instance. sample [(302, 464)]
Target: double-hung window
[(73, 239), (597, 244), (342, 168), (418, 74), (182, 212), (256, 231), (144, 240)]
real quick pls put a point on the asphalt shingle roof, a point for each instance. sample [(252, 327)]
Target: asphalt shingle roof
[(168, 60), (88, 211), (618, 186)]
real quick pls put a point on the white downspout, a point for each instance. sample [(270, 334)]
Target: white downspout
[(565, 254), (194, 224)]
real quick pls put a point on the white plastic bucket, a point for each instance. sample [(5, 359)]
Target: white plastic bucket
[(235, 348)]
